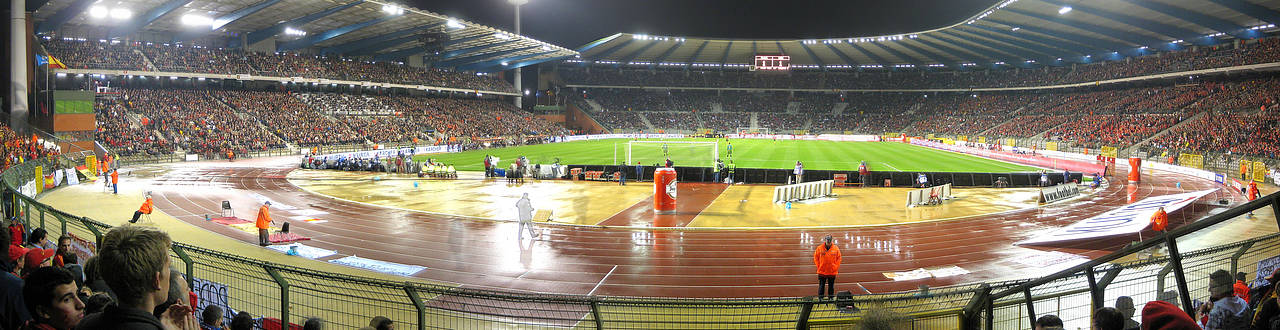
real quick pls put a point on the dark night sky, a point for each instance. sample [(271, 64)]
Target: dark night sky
[(572, 23)]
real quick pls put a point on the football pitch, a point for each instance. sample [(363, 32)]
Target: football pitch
[(747, 153)]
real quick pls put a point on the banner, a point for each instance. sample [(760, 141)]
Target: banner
[(1053, 146), (72, 178), (91, 164), (1191, 160), (982, 139), (212, 293), (1127, 219), (1109, 151), (1027, 159), (39, 175), (379, 265), (1059, 192)]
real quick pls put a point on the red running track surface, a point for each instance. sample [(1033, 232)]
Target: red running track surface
[(623, 262)]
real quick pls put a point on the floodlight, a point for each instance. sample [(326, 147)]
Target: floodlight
[(501, 35), (391, 9), (193, 19), (98, 11), (121, 13), (504, 63), (517, 2), (546, 48), (1064, 10), (453, 24)]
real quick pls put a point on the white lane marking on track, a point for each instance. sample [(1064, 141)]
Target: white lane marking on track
[(606, 276)]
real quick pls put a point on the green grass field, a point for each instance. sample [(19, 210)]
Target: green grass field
[(747, 153)]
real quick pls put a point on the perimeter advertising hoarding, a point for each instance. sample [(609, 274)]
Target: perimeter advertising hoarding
[(1128, 219)]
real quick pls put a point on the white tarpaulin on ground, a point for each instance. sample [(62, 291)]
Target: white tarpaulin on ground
[(379, 265), (1128, 219)]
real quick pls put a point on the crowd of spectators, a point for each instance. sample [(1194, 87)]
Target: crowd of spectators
[(91, 54), (816, 103), (84, 54), (1249, 133), (18, 149), (124, 134), (740, 101), (782, 122), (725, 121), (673, 120), (197, 122), (1265, 50), (625, 120), (289, 118)]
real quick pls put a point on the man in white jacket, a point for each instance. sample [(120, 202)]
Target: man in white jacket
[(525, 210)]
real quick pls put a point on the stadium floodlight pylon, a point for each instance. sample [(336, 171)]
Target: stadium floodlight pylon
[(682, 153)]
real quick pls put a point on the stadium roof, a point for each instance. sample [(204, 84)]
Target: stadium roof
[(383, 30), (1022, 33)]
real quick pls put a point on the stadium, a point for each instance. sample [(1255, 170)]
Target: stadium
[(1015, 164)]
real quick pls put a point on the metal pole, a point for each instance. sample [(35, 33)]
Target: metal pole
[(519, 89), (1031, 311), (1176, 261), (18, 110)]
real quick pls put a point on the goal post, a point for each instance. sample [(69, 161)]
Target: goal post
[(682, 153)]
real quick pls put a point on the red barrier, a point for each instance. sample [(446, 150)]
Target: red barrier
[(1135, 169), (664, 190)]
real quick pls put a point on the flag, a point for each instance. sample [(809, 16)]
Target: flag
[(40, 61), (55, 63)]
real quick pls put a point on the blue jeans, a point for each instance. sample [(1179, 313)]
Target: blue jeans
[(716, 176), (115, 189)]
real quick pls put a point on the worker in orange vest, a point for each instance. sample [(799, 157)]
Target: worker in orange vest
[(144, 209), (115, 181), (264, 221), (1244, 169), (827, 258), (1159, 220), (1253, 193)]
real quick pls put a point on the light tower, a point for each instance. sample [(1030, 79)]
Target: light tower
[(519, 89)]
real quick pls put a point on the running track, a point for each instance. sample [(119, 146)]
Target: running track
[(621, 262)]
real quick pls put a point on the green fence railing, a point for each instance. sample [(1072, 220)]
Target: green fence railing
[(291, 293)]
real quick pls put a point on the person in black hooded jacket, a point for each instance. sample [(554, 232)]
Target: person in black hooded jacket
[(139, 259)]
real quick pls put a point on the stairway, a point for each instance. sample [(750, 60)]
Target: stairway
[(793, 107), (755, 121), (1012, 116), (839, 108), (150, 66), (595, 107), (645, 119), (1135, 146), (716, 107)]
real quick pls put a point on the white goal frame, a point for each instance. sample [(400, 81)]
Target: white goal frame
[(748, 130), (715, 150)]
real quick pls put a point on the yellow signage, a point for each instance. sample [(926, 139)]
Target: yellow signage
[(1259, 172), (982, 139), (39, 178), (964, 138), (1109, 151), (1051, 146), (1191, 160), (91, 164)]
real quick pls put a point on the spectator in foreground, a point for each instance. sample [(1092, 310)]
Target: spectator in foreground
[(1108, 318), (242, 321), (314, 323), (1161, 315), (50, 295), (13, 311), (1240, 288), (382, 323), (1224, 310), (1048, 322), (139, 262), (1124, 304), (211, 318)]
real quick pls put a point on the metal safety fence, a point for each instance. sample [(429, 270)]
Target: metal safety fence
[(289, 294)]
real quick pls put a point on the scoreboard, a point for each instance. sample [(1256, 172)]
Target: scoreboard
[(771, 63)]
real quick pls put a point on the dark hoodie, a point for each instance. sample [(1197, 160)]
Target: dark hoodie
[(13, 311), (119, 318)]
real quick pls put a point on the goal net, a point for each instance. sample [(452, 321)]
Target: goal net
[(748, 130), (682, 153)]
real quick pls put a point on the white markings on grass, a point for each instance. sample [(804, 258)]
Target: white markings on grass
[(606, 276), (890, 166)]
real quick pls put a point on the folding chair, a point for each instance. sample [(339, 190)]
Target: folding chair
[(227, 212)]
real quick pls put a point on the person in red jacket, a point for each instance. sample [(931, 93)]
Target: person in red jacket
[(144, 209), (1253, 193), (827, 258)]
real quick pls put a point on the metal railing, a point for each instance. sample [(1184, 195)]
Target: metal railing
[(291, 293)]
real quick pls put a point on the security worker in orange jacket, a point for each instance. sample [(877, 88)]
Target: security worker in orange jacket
[(1244, 170), (264, 221), (115, 181), (827, 258), (1253, 193), (1159, 220), (144, 209)]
